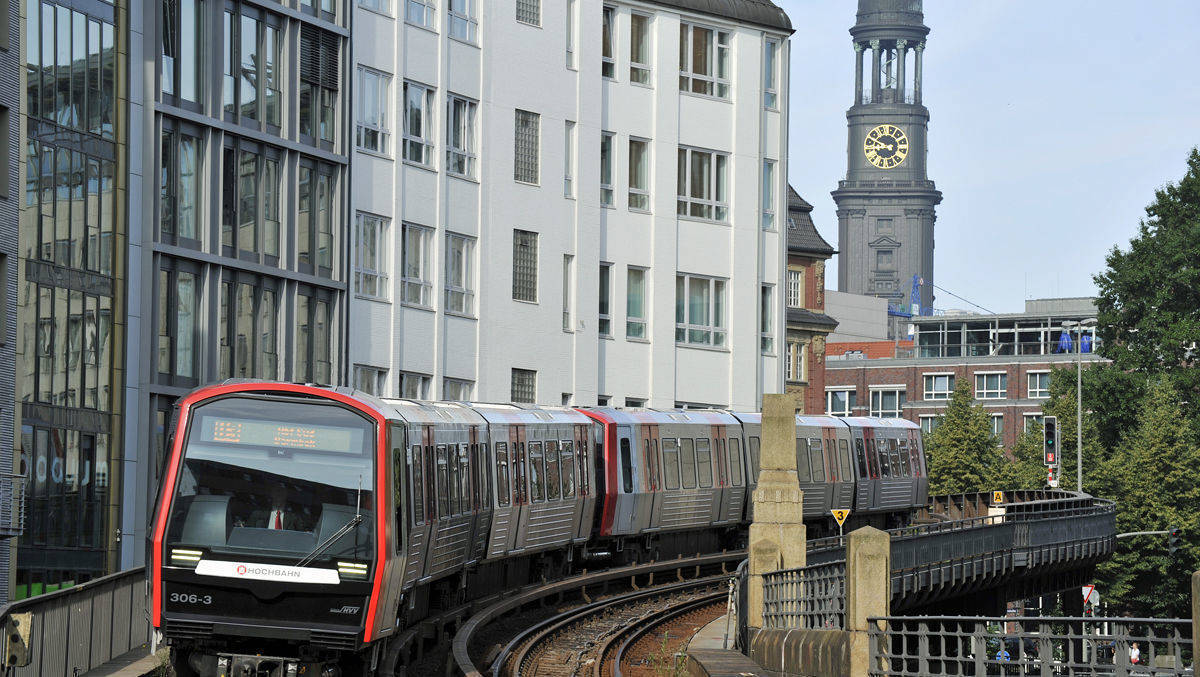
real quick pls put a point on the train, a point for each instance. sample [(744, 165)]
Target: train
[(301, 529)]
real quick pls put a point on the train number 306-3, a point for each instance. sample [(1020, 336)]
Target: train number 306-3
[(190, 599)]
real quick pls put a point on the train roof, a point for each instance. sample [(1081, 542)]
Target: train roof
[(870, 422), (801, 419), (420, 411), (639, 416), (517, 413)]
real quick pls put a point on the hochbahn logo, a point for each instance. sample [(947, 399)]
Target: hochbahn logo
[(286, 572), (268, 572)]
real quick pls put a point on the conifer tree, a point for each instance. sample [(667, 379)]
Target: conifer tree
[(962, 452)]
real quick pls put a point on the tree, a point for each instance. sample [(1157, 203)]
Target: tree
[(962, 452), (1105, 407), (1149, 296), (1025, 466), (1152, 472)]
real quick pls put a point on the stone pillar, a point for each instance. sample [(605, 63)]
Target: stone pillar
[(875, 95), (901, 55), (1195, 608), (777, 537), (919, 49), (868, 590), (858, 75)]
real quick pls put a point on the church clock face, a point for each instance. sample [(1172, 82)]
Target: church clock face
[(886, 146)]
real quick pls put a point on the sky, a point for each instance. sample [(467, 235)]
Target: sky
[(1051, 126)]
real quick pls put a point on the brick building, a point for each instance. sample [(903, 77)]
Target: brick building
[(807, 324), (1008, 359)]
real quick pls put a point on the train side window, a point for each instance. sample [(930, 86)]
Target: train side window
[(537, 481), (893, 457), (704, 469), (815, 458), (861, 456), (803, 467), (443, 482), (464, 479), (626, 467), (485, 477), (831, 461), (553, 480), (847, 466), (670, 451), (688, 464), (418, 485), (735, 461), (754, 467), (502, 497), (584, 468), (568, 469), (914, 454)]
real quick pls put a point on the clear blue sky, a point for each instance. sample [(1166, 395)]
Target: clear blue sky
[(1052, 123)]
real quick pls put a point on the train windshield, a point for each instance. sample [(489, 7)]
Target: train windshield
[(273, 478)]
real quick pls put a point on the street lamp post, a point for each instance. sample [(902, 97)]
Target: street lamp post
[(1090, 322)]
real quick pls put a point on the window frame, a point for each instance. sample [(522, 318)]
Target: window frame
[(986, 392), (531, 5), (932, 394), (380, 224), (1043, 391), (470, 19), (569, 128), (464, 154), (795, 282), (418, 148), (715, 327), (851, 401), (766, 324), (877, 394), (604, 301), (632, 321), (771, 53), (641, 73), (642, 193), (768, 194), (717, 204), (380, 126), (531, 241), (608, 42), (531, 374), (379, 378), (467, 287), (466, 384), (719, 56), (422, 382), (429, 11), (531, 174), (423, 280), (607, 168)]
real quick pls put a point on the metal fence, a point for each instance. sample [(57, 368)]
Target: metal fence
[(812, 597), (71, 631), (1018, 646)]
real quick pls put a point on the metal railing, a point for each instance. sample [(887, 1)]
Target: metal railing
[(73, 630), (884, 183), (956, 645), (812, 597), (12, 505)]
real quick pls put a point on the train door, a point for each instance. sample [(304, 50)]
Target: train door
[(868, 474), (920, 473), (480, 506), (652, 477), (521, 509), (579, 480), (422, 475), (506, 504), (396, 503), (625, 518), (721, 492), (840, 473)]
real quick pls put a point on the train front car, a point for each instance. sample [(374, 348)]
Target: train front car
[(267, 554)]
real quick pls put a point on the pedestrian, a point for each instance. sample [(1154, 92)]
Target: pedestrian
[(1135, 654)]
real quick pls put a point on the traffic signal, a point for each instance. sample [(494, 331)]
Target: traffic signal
[(1050, 440), (1174, 539), (1089, 610)]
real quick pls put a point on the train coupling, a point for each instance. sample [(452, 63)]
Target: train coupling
[(235, 665)]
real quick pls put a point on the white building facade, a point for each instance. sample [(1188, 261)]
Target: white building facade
[(569, 201)]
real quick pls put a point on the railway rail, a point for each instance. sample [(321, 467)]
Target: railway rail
[(643, 646)]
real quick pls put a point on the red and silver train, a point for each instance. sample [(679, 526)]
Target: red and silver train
[(301, 529)]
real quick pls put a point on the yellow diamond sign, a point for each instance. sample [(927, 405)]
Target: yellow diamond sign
[(840, 516)]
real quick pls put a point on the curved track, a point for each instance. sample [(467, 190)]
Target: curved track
[(649, 646)]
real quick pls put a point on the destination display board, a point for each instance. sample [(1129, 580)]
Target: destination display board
[(280, 434)]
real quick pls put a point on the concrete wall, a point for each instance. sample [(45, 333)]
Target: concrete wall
[(860, 318)]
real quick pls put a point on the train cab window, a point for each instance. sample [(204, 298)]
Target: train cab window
[(704, 470), (688, 464), (831, 462), (464, 479), (902, 452), (670, 452), (897, 468), (847, 467), (418, 485), (626, 467), (861, 455), (443, 481), (735, 461), (537, 481), (876, 451), (502, 498), (914, 455), (803, 467), (568, 469), (553, 480), (754, 467), (816, 459)]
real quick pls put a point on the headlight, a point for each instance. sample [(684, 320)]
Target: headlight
[(356, 571), (186, 558)]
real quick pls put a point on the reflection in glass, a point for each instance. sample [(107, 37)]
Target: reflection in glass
[(185, 325)]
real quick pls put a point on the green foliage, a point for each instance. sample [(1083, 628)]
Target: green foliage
[(1062, 404), (1025, 467), (1151, 473), (1149, 296), (962, 451)]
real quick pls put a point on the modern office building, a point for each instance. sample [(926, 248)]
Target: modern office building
[(808, 326), (1008, 359), (540, 187)]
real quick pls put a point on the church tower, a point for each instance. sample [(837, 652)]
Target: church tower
[(885, 205)]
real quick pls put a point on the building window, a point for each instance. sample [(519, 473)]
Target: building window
[(250, 201), (639, 48), (318, 83), (418, 126), (635, 303), (314, 337), (771, 74), (325, 10), (841, 401), (606, 168), (414, 386), (930, 422), (463, 24), (795, 362), (884, 260), (768, 195), (608, 67), (703, 61), (421, 13), (370, 380), (529, 12), (524, 385), (252, 54), (639, 175), (460, 280), (766, 329), (178, 307), (457, 390), (702, 184), (182, 24), (315, 217), (887, 403), (460, 136), (566, 291), (795, 279), (991, 386), (525, 152), (370, 256), (700, 310), (179, 188), (371, 133), (569, 159), (381, 6), (605, 311), (1039, 384), (997, 421), (525, 258), (1032, 422), (571, 34), (415, 266), (939, 386), (49, 97)]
